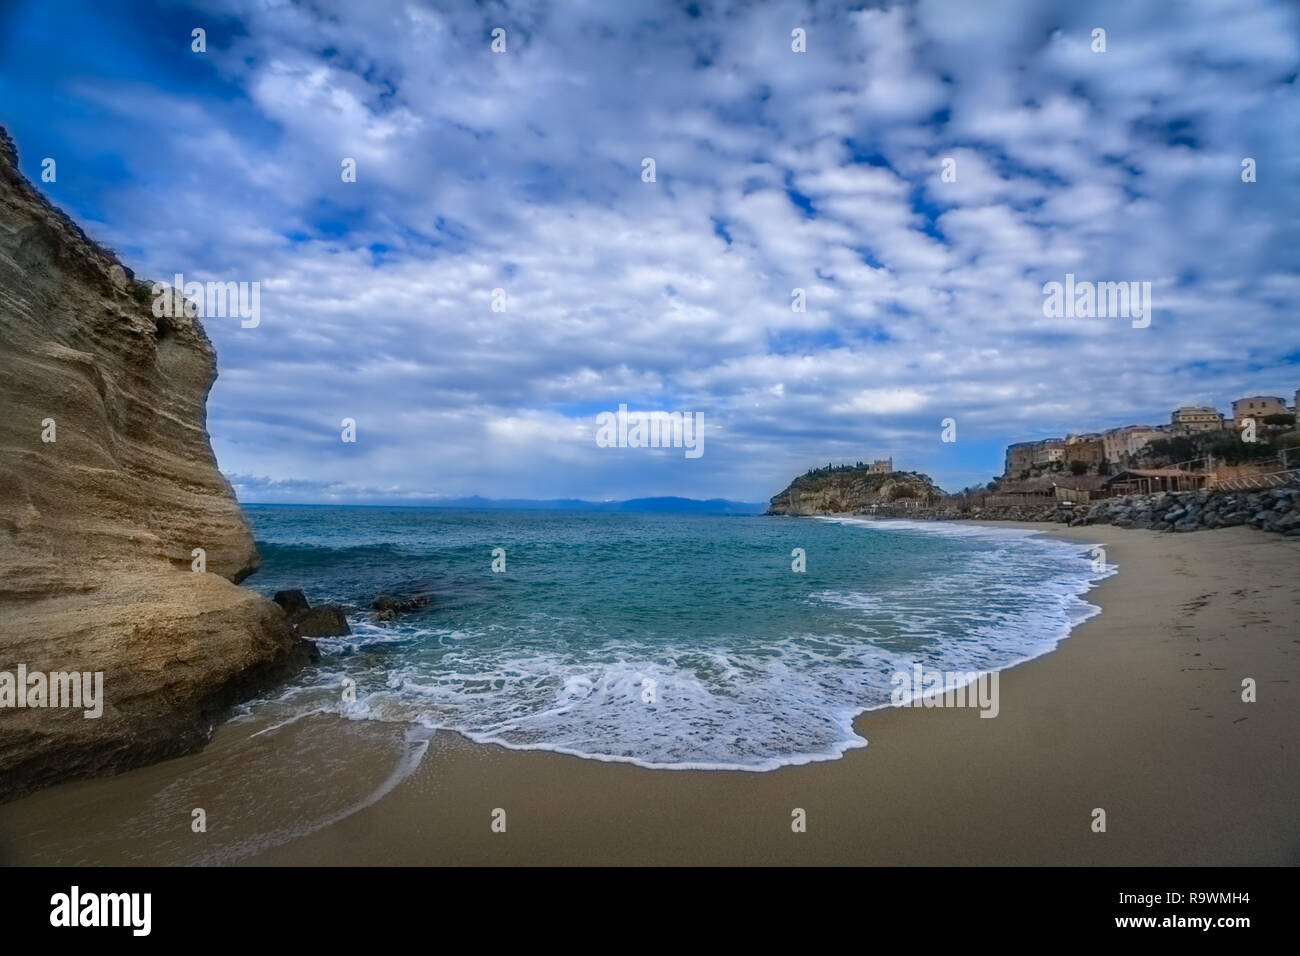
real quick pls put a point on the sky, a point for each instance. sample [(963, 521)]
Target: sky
[(774, 170)]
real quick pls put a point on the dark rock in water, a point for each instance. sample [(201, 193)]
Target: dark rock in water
[(388, 607), (293, 601), (327, 620)]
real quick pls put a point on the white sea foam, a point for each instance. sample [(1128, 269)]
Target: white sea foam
[(791, 701)]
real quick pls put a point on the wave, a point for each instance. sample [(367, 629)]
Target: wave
[(574, 684)]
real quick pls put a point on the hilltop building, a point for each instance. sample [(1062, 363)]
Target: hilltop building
[(1020, 455), (1051, 450), (1258, 407), (1088, 448), (1128, 440), (1023, 457), (1124, 445), (1190, 419), (881, 466)]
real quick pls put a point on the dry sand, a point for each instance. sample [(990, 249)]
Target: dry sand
[(1139, 713)]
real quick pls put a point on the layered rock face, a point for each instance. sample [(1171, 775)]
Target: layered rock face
[(107, 485), (846, 490)]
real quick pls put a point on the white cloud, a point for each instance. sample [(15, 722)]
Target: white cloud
[(523, 172)]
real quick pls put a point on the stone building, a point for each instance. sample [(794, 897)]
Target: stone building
[(1050, 450), (1257, 407), (1088, 449), (881, 466), (1023, 457), (1125, 442), (1020, 458), (1191, 419)]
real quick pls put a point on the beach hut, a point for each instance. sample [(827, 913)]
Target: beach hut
[(1146, 480)]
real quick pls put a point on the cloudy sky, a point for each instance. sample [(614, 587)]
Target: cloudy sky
[(775, 170)]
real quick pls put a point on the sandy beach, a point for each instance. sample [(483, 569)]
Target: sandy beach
[(1139, 712)]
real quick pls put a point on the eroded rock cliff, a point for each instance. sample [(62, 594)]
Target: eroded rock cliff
[(107, 485)]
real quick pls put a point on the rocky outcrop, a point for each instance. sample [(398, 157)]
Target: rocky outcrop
[(323, 620), (387, 607), (293, 602), (108, 485), (327, 620), (847, 490)]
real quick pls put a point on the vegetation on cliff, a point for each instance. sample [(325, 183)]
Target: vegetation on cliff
[(846, 489)]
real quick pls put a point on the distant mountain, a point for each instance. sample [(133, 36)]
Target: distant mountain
[(713, 506), (669, 505)]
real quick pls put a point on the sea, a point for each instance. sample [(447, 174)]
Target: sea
[(671, 641)]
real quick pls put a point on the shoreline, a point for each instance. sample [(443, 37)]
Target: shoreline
[(1137, 711)]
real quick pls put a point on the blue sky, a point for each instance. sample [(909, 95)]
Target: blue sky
[(776, 170)]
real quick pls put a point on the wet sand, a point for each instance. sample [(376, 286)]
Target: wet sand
[(1139, 713)]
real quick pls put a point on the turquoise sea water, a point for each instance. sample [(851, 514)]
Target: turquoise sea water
[(753, 666)]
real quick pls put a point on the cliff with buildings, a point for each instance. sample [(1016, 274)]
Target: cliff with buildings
[(849, 489), (108, 485), (1261, 427)]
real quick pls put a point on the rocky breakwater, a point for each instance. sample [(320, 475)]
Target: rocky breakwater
[(108, 485), (1275, 509)]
